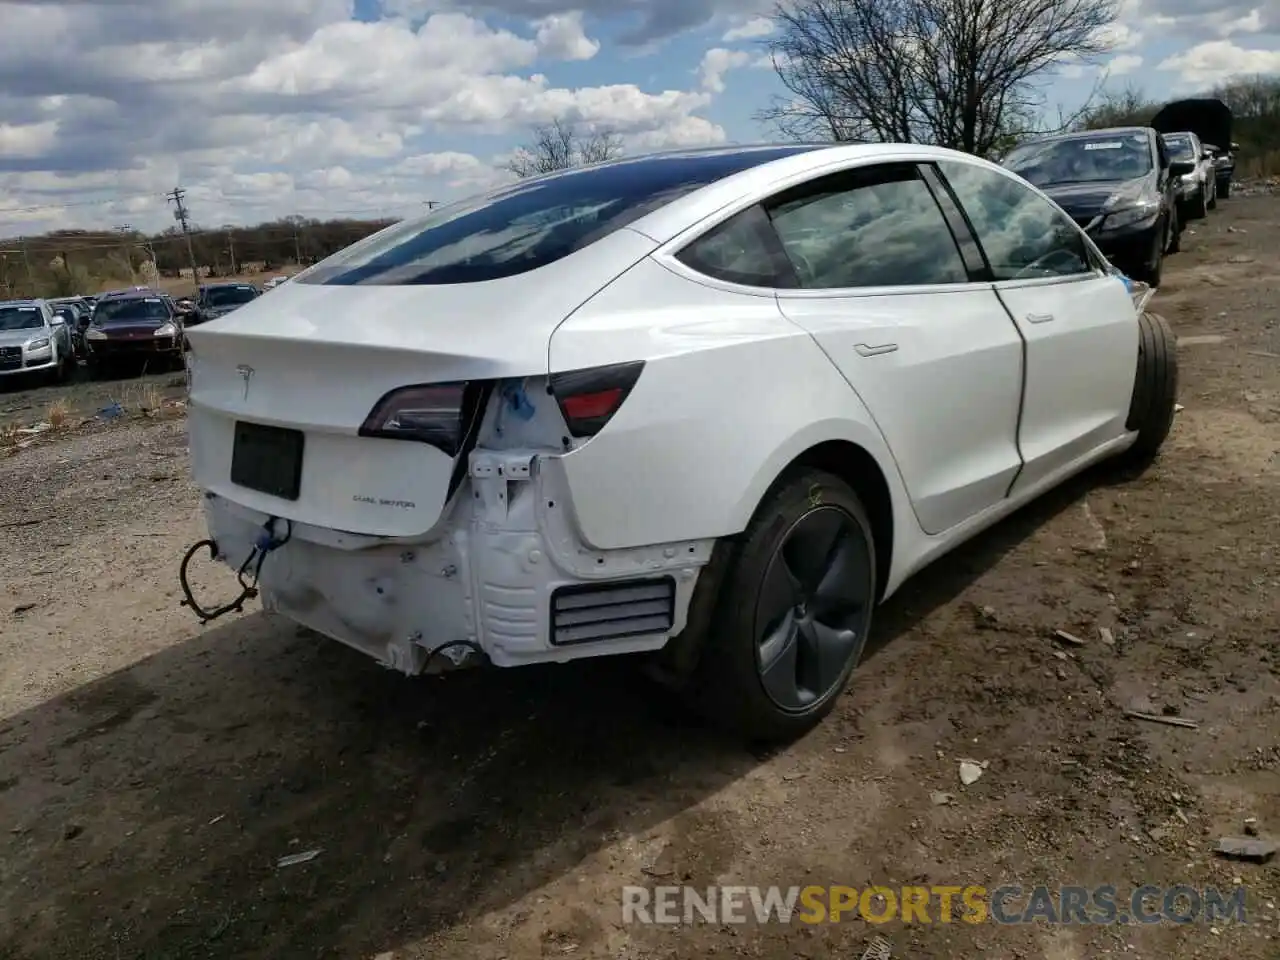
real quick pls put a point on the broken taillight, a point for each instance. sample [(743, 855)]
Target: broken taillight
[(439, 414), (589, 398)]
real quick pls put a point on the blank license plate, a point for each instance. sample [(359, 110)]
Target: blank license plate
[(268, 459)]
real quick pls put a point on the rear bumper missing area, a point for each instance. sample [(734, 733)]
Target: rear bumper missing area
[(505, 571)]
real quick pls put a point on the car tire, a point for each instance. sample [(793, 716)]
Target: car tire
[(1150, 273), (1224, 189), (792, 610), (1213, 196), (1201, 204), (1155, 390), (1175, 233)]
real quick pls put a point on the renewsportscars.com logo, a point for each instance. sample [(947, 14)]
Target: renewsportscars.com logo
[(1008, 904)]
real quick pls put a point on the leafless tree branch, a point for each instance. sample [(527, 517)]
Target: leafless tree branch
[(561, 146), (965, 74)]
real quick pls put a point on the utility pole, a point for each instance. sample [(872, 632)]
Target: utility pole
[(26, 259), (182, 215), (231, 249), (124, 230)]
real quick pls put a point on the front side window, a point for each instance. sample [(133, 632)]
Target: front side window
[(21, 318), (1023, 235), (1092, 159), (532, 224), (876, 227)]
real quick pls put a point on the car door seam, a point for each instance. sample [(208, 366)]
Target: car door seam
[(1022, 393)]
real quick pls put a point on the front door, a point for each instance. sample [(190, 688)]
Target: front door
[(1077, 319)]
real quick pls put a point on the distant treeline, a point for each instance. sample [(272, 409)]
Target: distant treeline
[(87, 261), (1255, 106)]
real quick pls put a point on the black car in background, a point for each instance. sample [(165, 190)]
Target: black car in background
[(1120, 185), (1209, 119), (218, 299), (137, 325)]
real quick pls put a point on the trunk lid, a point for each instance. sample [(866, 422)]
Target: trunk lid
[(317, 359), (1207, 117)]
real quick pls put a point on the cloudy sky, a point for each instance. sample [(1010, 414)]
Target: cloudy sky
[(369, 107)]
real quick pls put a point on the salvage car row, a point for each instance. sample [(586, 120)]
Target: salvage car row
[(135, 327)]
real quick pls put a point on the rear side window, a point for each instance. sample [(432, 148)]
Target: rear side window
[(879, 227), (532, 224), (742, 250)]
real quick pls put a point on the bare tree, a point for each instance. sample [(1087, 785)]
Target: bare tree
[(560, 146), (965, 74)]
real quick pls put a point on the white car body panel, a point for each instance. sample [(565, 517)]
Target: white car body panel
[(738, 382), (952, 350), (690, 462), (1082, 349), (309, 340)]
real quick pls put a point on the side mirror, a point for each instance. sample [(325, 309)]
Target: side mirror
[(1180, 168), (58, 320)]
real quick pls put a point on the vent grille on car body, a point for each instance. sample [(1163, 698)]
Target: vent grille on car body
[(595, 612)]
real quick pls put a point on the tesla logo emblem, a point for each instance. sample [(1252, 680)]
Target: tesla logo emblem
[(246, 374)]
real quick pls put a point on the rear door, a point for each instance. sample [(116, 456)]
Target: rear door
[(1077, 319), (887, 293)]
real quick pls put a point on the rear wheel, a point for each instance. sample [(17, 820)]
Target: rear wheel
[(1201, 208), (792, 613), (1213, 195), (1224, 189), (1155, 390)]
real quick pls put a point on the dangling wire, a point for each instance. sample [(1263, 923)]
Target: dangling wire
[(247, 575)]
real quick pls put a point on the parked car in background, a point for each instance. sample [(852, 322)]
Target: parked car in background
[(1120, 185), (75, 312), (1210, 119), (34, 339), (712, 405), (1198, 190), (218, 299), (137, 325)]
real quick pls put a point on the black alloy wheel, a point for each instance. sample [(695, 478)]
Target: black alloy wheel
[(813, 609)]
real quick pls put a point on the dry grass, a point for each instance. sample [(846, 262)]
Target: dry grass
[(58, 413)]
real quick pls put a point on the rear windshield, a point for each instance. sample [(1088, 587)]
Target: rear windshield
[(226, 296), (1110, 156), (517, 229), (21, 318), (139, 310)]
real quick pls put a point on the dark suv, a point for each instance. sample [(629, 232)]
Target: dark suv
[(1119, 184), (219, 299), (138, 325)]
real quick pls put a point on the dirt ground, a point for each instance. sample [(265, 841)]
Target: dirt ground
[(152, 772)]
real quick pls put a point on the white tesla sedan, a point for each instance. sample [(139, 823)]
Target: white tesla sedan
[(714, 405)]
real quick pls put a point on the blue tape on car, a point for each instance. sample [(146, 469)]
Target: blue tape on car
[(518, 401)]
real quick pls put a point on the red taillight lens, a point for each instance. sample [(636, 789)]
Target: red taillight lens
[(437, 414), (589, 398)]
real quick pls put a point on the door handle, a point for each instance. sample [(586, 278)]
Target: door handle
[(1039, 317), (868, 351)]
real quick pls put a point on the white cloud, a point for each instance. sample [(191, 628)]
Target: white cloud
[(1125, 63), (751, 29), (307, 111), (1216, 60), (718, 61), (561, 37)]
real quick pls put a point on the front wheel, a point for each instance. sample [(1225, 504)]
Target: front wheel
[(792, 612), (1155, 390)]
